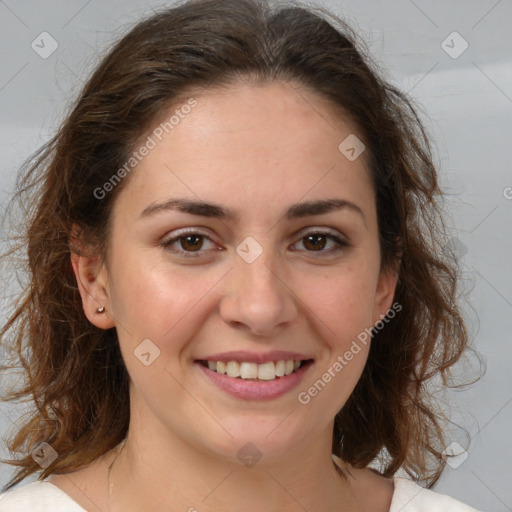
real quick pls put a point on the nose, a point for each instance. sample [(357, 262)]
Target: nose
[(257, 297)]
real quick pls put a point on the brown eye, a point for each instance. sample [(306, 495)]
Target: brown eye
[(189, 244), (318, 241), (315, 242)]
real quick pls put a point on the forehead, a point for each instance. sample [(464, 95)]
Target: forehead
[(288, 112), (247, 142)]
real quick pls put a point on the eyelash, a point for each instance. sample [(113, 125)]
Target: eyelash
[(341, 244)]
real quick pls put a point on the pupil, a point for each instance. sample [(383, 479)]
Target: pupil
[(186, 239), (314, 239)]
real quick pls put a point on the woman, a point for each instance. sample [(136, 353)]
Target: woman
[(238, 296)]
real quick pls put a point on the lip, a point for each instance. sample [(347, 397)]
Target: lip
[(254, 357), (255, 390)]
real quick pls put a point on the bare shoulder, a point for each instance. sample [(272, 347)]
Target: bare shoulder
[(86, 486), (373, 491)]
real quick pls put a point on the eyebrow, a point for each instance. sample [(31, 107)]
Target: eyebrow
[(205, 209)]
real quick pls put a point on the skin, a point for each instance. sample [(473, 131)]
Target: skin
[(256, 149)]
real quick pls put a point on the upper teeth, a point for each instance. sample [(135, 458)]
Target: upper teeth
[(245, 370)]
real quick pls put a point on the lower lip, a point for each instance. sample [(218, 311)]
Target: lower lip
[(256, 390)]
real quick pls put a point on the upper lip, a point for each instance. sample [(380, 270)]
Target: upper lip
[(255, 357)]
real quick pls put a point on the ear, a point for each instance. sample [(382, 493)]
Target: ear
[(385, 292), (91, 277)]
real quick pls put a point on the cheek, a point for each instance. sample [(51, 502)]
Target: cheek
[(344, 310), (338, 381), (343, 300), (153, 300)]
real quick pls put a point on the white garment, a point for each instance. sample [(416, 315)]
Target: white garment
[(42, 496)]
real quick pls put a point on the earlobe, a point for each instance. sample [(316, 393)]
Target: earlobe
[(385, 293), (91, 277)]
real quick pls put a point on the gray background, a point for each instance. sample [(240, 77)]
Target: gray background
[(467, 106)]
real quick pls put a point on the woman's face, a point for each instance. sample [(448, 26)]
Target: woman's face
[(260, 276)]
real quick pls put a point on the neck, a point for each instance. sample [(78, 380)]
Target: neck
[(149, 475)]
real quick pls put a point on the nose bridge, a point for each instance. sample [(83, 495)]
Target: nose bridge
[(257, 297), (257, 274)]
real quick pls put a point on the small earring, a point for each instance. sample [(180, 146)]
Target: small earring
[(100, 309)]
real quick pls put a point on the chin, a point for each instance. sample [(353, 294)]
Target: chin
[(253, 441)]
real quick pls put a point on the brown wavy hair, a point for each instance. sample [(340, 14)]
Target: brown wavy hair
[(74, 372)]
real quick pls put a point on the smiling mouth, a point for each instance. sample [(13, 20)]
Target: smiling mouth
[(243, 370)]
